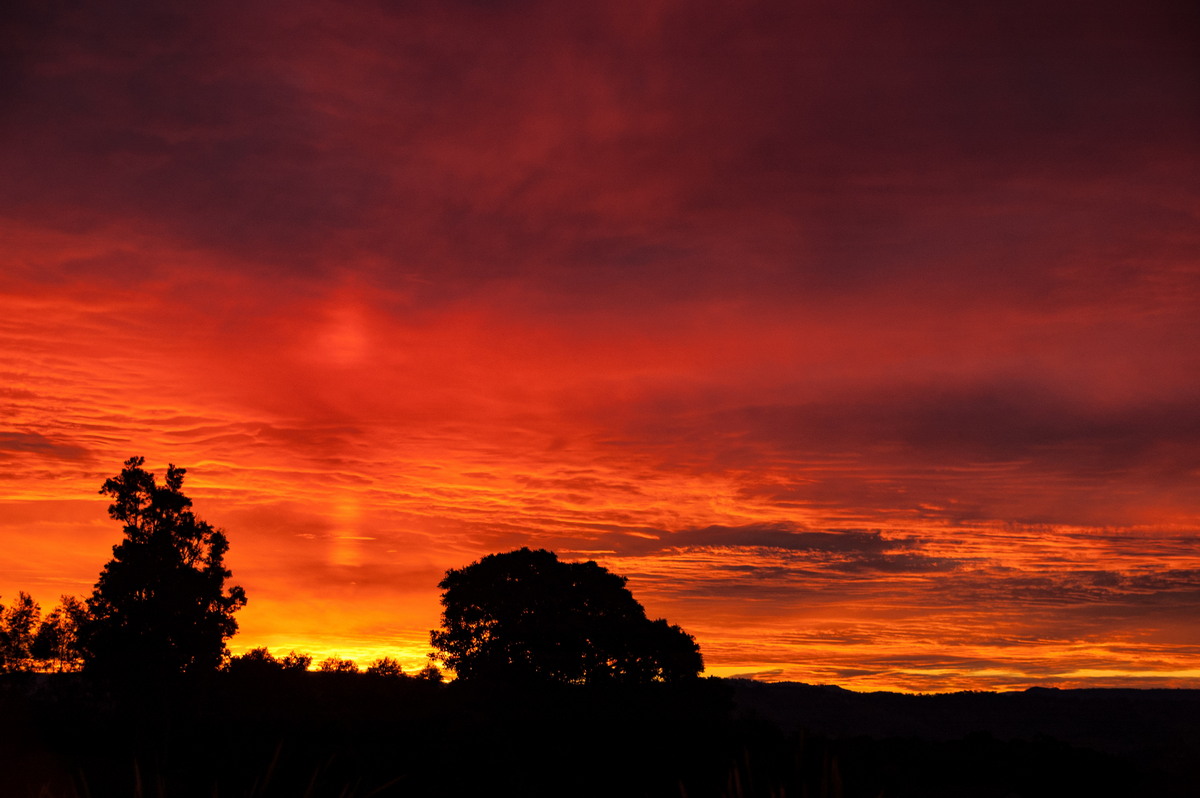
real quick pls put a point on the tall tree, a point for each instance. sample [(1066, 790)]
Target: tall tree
[(160, 605), (527, 616), (18, 628)]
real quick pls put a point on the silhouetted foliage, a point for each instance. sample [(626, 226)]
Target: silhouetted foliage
[(430, 673), (338, 665), (18, 627), (56, 645), (296, 662), (160, 605), (527, 616), (261, 661), (256, 660), (30, 642), (385, 666)]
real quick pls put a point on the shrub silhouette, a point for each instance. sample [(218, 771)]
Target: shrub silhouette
[(260, 661), (338, 665), (385, 666), (527, 616)]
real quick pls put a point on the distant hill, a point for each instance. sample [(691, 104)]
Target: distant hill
[(1153, 734)]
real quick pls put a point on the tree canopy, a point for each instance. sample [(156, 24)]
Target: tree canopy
[(160, 605), (261, 661), (31, 642), (18, 630), (527, 616)]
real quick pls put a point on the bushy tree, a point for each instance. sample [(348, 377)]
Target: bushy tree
[(160, 605), (256, 661), (18, 628), (385, 666), (297, 663), (4, 642), (338, 665), (57, 644), (527, 616), (262, 661), (430, 673)]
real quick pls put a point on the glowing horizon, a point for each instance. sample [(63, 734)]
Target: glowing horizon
[(865, 344)]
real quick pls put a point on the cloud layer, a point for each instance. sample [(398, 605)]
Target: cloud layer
[(862, 338)]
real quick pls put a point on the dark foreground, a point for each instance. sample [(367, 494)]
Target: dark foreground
[(328, 734)]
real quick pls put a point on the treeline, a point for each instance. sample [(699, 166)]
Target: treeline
[(260, 661), (159, 607), (34, 643), (31, 642)]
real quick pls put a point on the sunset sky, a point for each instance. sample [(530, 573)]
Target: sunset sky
[(863, 337)]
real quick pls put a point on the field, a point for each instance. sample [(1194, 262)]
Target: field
[(350, 735)]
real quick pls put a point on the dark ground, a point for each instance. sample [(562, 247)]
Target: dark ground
[(323, 734), (1037, 742)]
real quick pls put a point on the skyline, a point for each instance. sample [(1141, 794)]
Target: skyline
[(863, 340)]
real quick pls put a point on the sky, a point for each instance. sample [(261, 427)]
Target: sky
[(862, 337)]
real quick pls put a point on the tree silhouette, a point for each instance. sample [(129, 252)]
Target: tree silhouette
[(527, 616), (56, 644), (385, 666), (256, 661), (338, 665), (18, 628), (295, 663), (261, 661), (160, 605)]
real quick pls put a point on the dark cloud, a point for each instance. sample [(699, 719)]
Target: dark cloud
[(580, 146), (177, 119), (897, 563), (24, 444), (954, 451), (578, 485), (786, 557), (773, 536), (327, 442), (999, 422), (770, 675)]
